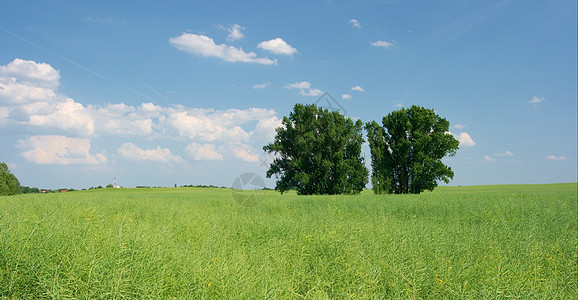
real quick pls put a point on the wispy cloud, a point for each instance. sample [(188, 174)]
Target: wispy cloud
[(261, 86), (507, 153), (358, 88), (106, 21), (537, 100), (384, 44), (235, 32), (355, 23), (205, 46), (346, 96), (554, 157), (489, 159), (304, 88)]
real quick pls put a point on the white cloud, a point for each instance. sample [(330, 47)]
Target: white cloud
[(67, 115), (459, 126), (24, 82), (27, 93), (507, 153), (355, 23), (235, 32), (158, 154), (204, 151), (55, 113), (465, 139), (122, 119), (346, 96), (57, 149), (196, 124), (554, 157), (31, 73), (277, 46), (13, 92), (384, 44), (489, 159), (205, 46), (261, 86), (265, 129), (246, 153), (535, 100), (52, 113), (358, 88), (304, 88)]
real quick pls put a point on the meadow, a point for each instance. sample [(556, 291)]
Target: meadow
[(478, 242)]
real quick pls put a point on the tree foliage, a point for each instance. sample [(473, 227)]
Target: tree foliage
[(318, 152), (407, 151), (9, 184)]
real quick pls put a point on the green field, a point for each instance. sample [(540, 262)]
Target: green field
[(514, 241)]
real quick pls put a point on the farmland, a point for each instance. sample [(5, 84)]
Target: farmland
[(511, 241)]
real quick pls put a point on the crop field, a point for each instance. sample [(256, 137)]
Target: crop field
[(479, 242)]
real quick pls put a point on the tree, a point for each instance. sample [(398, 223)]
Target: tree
[(9, 184), (407, 151), (318, 152)]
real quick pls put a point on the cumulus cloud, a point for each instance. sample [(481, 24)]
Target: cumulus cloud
[(554, 157), (384, 44), (204, 151), (205, 46), (277, 46), (246, 153), (28, 97), (122, 119), (355, 23), (465, 139), (261, 86), (158, 154), (31, 73), (265, 129), (304, 88), (61, 150), (25, 82), (358, 88), (67, 115), (52, 113), (13, 92), (346, 96)]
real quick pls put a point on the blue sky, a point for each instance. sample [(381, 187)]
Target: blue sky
[(187, 92)]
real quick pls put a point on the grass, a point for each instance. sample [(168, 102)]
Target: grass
[(456, 242)]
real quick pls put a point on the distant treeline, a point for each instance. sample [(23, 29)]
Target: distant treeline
[(34, 190), (205, 186)]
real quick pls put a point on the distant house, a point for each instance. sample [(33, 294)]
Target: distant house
[(63, 191)]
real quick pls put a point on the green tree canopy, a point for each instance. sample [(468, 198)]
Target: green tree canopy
[(9, 184), (318, 152), (407, 151)]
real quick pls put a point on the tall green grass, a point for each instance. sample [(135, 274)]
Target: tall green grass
[(456, 242)]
